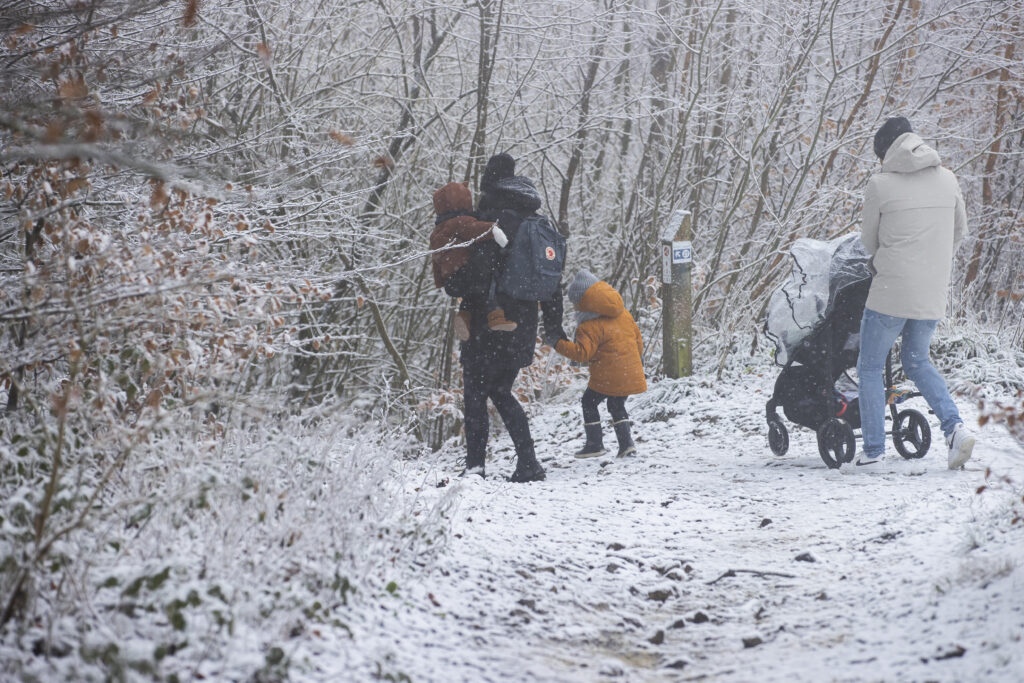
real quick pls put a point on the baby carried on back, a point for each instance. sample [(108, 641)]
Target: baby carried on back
[(466, 255)]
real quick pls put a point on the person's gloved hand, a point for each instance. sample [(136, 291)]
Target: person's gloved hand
[(552, 337), (499, 236)]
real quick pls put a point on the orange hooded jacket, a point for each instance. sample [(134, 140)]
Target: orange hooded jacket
[(611, 343)]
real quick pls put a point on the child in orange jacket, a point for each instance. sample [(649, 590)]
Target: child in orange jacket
[(608, 337)]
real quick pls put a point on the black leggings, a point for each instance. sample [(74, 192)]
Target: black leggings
[(479, 383), (592, 399)]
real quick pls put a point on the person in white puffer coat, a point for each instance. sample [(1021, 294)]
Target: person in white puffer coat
[(913, 222)]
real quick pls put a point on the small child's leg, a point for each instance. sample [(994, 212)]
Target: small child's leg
[(459, 284), (496, 319), (480, 294), (461, 321), (589, 402), (617, 408), (492, 295), (594, 445), (621, 424)]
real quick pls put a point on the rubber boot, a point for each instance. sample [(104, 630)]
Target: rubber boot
[(626, 446), (478, 470), (527, 467), (474, 465), (461, 325), (497, 322), (594, 446)]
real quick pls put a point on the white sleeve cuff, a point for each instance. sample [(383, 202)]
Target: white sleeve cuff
[(499, 236)]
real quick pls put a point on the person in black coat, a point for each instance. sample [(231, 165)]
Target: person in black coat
[(492, 360)]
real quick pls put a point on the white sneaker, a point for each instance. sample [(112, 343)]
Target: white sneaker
[(961, 443), (863, 460)]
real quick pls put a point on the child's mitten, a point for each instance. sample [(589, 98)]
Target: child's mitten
[(499, 236), (552, 337)]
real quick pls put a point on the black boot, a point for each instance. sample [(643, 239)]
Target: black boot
[(478, 471), (626, 446), (474, 466), (527, 467), (594, 447)]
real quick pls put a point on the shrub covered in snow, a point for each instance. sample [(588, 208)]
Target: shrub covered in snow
[(220, 554)]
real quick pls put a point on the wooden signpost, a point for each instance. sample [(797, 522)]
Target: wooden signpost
[(677, 314)]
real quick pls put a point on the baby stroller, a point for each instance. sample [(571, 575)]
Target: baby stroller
[(814, 320)]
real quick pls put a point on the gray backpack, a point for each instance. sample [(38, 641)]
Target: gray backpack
[(533, 266)]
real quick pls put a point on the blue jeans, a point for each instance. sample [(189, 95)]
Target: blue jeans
[(878, 333)]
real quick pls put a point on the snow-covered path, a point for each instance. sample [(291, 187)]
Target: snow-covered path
[(707, 558)]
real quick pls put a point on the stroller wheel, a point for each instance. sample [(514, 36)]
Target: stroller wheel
[(778, 436), (836, 443), (911, 434)]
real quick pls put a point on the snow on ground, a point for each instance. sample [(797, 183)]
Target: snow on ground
[(707, 558)]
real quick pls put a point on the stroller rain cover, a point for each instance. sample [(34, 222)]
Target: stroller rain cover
[(820, 271)]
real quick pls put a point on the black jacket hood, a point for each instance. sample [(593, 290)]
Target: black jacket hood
[(517, 193)]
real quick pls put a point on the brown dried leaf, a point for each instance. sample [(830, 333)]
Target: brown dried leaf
[(343, 138), (263, 50), (159, 197), (53, 132), (154, 397), (73, 88), (77, 184), (95, 121), (383, 161), (24, 29), (58, 405)]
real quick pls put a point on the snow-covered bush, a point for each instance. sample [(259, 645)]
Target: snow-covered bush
[(225, 554)]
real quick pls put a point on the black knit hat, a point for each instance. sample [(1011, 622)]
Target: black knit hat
[(887, 134), (498, 167)]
